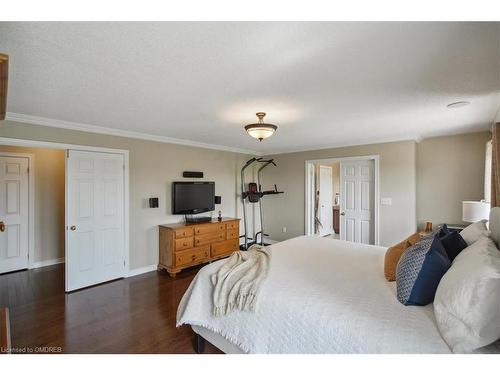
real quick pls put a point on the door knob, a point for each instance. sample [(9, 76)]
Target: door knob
[(2, 226), (342, 213), (72, 227)]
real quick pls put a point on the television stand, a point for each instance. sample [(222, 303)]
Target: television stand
[(196, 220)]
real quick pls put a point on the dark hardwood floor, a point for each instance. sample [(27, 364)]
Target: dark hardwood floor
[(133, 315)]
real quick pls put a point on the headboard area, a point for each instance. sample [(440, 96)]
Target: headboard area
[(495, 225)]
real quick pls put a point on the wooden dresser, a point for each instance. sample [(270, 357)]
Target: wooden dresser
[(184, 245)]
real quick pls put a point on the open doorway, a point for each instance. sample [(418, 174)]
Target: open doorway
[(342, 198), (31, 207), (327, 180)]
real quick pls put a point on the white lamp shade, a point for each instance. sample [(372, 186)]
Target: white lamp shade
[(475, 211)]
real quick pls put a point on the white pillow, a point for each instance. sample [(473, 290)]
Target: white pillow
[(474, 232), (467, 301)]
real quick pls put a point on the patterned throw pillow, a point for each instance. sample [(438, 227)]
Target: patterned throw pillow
[(419, 271)]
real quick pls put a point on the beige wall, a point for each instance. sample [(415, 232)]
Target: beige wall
[(397, 181), (449, 170), (153, 167), (427, 181), (49, 201)]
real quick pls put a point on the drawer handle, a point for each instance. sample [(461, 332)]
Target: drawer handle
[(193, 257)]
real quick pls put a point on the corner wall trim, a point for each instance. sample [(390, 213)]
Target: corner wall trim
[(46, 263), (36, 120), (141, 270)]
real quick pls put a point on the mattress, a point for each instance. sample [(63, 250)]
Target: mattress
[(321, 296)]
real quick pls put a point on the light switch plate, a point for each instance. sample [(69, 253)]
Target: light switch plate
[(386, 201)]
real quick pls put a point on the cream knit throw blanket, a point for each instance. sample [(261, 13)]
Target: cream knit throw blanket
[(238, 281)]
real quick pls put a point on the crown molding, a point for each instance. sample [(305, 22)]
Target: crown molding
[(44, 121), (375, 141), (36, 120)]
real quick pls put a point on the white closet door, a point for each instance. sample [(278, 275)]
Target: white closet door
[(14, 206), (357, 180), (95, 246)]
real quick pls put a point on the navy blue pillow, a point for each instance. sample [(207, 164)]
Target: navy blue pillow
[(453, 243), (443, 230), (419, 271)]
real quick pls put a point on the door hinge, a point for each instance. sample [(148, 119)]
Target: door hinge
[(28, 170), (67, 153)]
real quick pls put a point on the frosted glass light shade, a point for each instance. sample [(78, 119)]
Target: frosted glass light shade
[(473, 211), (260, 132)]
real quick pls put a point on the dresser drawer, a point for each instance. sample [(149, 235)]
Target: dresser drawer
[(183, 232), (232, 225), (209, 228), (224, 248), (196, 255), (204, 239), (184, 243), (232, 234)]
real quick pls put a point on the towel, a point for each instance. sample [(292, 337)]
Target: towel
[(239, 279)]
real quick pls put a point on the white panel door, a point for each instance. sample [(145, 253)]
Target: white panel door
[(357, 203), (325, 200), (14, 206), (95, 246)]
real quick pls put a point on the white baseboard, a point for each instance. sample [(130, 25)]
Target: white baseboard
[(141, 270), (45, 263), (134, 272)]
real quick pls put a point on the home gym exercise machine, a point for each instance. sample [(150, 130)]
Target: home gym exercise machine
[(254, 194)]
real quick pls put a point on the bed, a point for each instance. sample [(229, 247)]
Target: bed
[(321, 296)]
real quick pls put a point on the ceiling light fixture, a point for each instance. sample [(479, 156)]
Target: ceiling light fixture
[(457, 104), (260, 130)]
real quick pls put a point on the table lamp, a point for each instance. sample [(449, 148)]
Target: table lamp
[(473, 211)]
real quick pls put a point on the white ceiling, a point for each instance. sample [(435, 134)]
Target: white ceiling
[(323, 84)]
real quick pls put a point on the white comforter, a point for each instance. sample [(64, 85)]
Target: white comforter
[(321, 296)]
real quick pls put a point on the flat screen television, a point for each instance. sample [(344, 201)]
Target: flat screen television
[(192, 197)]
